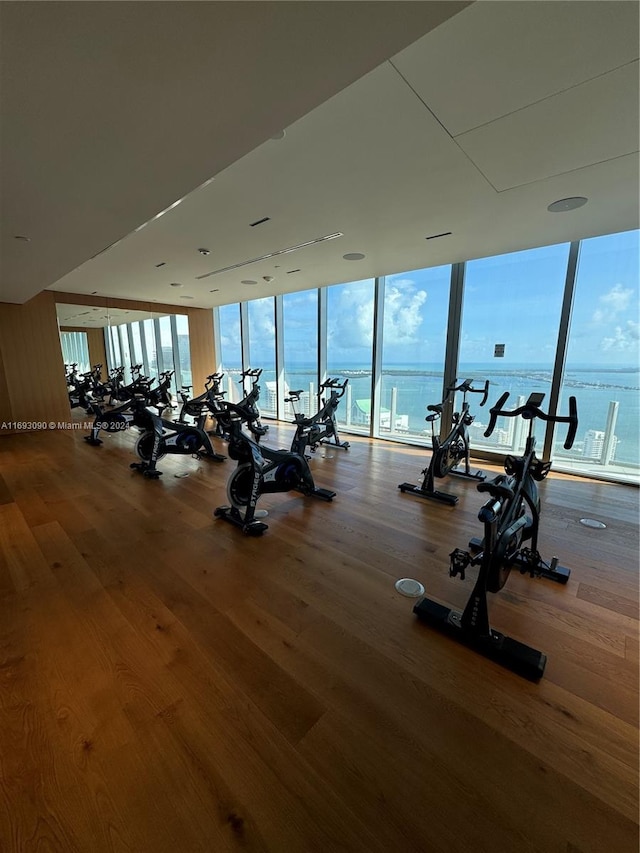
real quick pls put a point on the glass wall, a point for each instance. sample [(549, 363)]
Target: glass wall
[(262, 351), (300, 335), (350, 310), (173, 353), (230, 350), (137, 355), (389, 338), (150, 346), (183, 351), (509, 334), (414, 336), (602, 360), (125, 351), (75, 350)]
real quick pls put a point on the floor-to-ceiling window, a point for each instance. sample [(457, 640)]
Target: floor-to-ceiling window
[(230, 346), (75, 350), (601, 369), (125, 351), (414, 333), (509, 335), (510, 323), (181, 346), (350, 310), (115, 347), (262, 351), (150, 346), (300, 334), (137, 356)]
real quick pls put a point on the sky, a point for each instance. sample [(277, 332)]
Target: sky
[(512, 299)]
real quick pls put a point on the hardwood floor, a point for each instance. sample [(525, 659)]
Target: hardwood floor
[(168, 684)]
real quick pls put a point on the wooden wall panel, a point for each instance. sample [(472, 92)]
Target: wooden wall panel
[(5, 403), (108, 302), (203, 357), (32, 364)]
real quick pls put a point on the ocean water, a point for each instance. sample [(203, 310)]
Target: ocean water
[(418, 386)]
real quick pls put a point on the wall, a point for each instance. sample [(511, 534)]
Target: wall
[(32, 384), (203, 358)]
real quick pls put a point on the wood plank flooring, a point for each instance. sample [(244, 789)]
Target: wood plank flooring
[(168, 684)]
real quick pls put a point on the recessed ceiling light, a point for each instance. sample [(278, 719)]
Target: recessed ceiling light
[(353, 256), (22, 237), (161, 264), (204, 251), (291, 271), (186, 297), (564, 204), (259, 221), (279, 135), (248, 281), (215, 290), (435, 236), (176, 284)]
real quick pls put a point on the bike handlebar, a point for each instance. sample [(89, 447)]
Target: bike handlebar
[(334, 384), (465, 387), (254, 373), (531, 410)]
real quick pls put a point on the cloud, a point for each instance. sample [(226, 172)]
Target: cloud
[(613, 303), (351, 323), (402, 315), (261, 320), (624, 337)]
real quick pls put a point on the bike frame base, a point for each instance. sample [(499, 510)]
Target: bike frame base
[(479, 475), (442, 497), (231, 514), (513, 655), (151, 473), (323, 494)]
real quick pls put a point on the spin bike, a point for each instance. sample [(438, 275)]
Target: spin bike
[(322, 426), (161, 437), (507, 528), (260, 470), (194, 406), (249, 403), (448, 454), (115, 420)]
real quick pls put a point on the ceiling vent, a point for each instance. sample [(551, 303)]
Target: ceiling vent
[(273, 254)]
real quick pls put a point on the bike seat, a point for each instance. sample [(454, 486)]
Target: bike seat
[(500, 487), (436, 408)]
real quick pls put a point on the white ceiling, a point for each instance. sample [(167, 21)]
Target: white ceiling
[(475, 128), (111, 111)]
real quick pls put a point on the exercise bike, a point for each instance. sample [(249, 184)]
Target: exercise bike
[(448, 454), (116, 420), (194, 407), (161, 437), (322, 426), (507, 528), (260, 470)]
